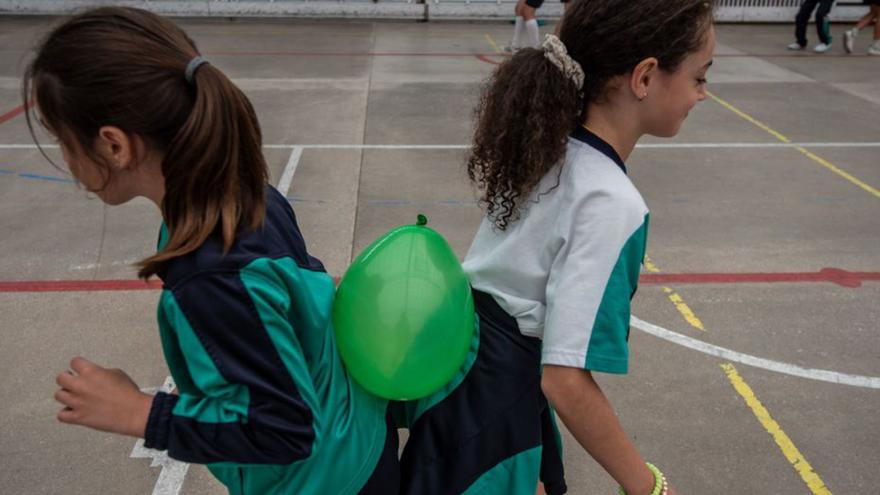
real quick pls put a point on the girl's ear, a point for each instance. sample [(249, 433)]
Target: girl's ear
[(641, 77), (116, 147)]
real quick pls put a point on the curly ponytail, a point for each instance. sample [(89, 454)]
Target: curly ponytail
[(524, 117), (529, 106)]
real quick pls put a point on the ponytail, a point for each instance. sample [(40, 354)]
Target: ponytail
[(532, 102), (215, 172), (131, 69), (524, 117)]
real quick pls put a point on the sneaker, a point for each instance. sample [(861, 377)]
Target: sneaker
[(821, 47), (796, 46), (874, 49), (849, 40)]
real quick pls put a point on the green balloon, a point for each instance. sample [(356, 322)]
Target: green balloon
[(404, 314)]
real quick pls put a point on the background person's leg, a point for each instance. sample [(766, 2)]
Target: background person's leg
[(875, 9), (533, 37), (823, 24), (875, 46), (801, 20), (849, 37), (519, 27)]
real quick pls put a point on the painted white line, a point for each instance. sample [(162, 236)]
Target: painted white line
[(466, 146), (760, 145), (173, 472), (289, 170), (767, 364), (254, 83), (373, 146)]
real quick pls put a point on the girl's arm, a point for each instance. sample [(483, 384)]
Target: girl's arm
[(239, 402), (247, 395), (589, 416)]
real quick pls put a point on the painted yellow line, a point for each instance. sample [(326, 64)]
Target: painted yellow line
[(679, 303), (684, 309), (830, 166), (651, 267), (821, 161), (749, 118), (794, 456), (492, 43)]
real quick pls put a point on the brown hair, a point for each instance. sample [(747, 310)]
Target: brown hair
[(125, 67), (529, 107)]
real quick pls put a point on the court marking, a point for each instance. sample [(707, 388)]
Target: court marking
[(657, 331), (756, 145), (281, 53), (26, 175), (173, 472), (685, 310), (676, 299), (836, 276), (794, 456), (289, 170), (791, 453), (821, 375), (13, 113), (821, 161), (493, 44)]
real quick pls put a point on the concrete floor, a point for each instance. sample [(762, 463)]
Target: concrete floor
[(727, 199)]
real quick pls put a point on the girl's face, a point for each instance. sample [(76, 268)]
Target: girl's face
[(679, 91)]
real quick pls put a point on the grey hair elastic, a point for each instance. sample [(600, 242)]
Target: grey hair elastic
[(192, 67)]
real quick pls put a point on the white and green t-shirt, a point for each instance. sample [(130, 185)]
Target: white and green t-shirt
[(568, 267)]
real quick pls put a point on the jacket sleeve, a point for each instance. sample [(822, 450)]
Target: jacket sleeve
[(246, 393)]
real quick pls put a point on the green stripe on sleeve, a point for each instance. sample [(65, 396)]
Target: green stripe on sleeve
[(204, 376), (608, 350)]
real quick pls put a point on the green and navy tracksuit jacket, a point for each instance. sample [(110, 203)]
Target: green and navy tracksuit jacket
[(263, 399)]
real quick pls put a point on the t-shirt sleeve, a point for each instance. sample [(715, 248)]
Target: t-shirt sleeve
[(592, 280)]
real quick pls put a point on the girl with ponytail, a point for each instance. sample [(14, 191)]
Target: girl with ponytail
[(244, 316), (557, 257)]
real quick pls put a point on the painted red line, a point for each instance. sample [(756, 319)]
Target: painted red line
[(834, 275), (78, 285), (793, 55), (14, 113), (233, 53), (483, 58), (343, 54)]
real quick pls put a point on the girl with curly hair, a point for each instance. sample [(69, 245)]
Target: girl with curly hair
[(557, 257)]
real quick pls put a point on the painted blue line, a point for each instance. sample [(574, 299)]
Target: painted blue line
[(47, 177), (390, 203), (398, 202), (6, 172), (301, 200)]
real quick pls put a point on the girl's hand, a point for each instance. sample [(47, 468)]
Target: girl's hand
[(103, 399)]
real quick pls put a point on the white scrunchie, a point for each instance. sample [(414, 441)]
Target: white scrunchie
[(554, 50)]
